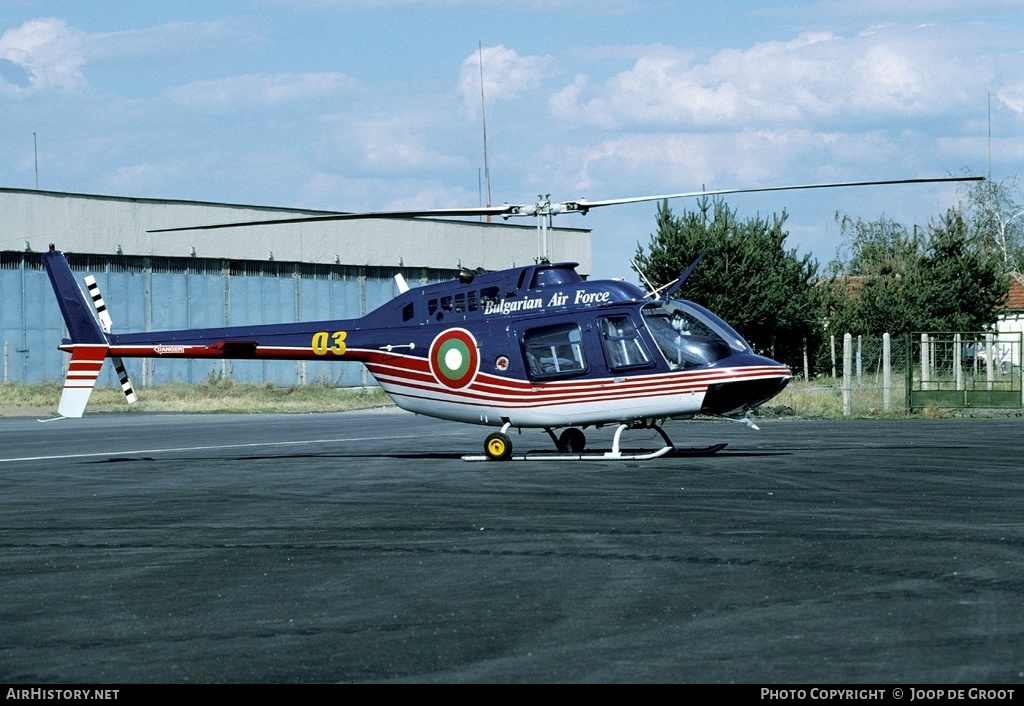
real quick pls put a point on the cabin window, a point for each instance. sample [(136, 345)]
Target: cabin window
[(431, 307), (623, 347), (554, 351), (408, 311), (471, 301), (489, 295), (446, 303), (460, 303), (555, 276)]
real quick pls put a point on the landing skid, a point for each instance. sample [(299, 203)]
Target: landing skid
[(570, 444), (665, 452)]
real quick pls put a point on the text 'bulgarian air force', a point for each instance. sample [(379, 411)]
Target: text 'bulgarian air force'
[(582, 297)]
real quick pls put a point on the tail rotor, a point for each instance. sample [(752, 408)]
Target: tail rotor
[(107, 323)]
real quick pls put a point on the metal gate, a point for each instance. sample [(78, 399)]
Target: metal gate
[(956, 370)]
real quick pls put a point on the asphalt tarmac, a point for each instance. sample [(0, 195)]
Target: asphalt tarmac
[(358, 547)]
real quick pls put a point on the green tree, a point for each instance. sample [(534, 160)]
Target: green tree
[(960, 282), (994, 211), (748, 277), (948, 279), (868, 292)]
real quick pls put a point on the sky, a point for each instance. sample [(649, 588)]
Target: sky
[(367, 105)]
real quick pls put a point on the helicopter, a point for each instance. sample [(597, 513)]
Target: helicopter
[(534, 346)]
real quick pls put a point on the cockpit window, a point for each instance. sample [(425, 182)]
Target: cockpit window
[(689, 335)]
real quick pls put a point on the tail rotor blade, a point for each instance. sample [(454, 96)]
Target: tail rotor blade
[(106, 322), (126, 383)]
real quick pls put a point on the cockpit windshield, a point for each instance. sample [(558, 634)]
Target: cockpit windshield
[(689, 335)]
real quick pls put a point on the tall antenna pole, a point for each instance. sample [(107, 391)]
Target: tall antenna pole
[(483, 118), (35, 154), (990, 135)]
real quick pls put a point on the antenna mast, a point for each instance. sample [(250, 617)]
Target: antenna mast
[(483, 118)]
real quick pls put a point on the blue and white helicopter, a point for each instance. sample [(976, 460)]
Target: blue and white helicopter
[(527, 347)]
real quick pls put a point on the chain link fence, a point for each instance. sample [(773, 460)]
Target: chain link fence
[(867, 376), (965, 370)]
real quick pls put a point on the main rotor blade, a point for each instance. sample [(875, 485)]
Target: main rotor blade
[(503, 210), (583, 205), (545, 207)]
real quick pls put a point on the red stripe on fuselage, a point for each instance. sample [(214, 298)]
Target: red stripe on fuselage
[(496, 391)]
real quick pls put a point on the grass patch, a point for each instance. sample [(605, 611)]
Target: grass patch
[(823, 399), (209, 397), (816, 399)]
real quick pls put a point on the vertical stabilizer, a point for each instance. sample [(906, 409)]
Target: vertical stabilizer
[(88, 342), (84, 368), (76, 309)]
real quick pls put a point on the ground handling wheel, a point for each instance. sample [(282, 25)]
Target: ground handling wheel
[(572, 441), (498, 447)]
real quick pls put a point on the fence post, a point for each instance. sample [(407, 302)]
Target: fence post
[(806, 372), (362, 312), (833, 341), (925, 366), (147, 305), (300, 365), (990, 373), (886, 373), (958, 370), (847, 374), (860, 364), (225, 272), (1020, 364)]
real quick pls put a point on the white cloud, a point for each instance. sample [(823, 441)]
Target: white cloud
[(519, 6), (262, 89), (1013, 97), (48, 50), (361, 194), (170, 39), (381, 146), (885, 73), (54, 55), (506, 75), (394, 145)]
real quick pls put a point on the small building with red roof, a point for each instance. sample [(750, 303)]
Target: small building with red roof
[(1012, 318)]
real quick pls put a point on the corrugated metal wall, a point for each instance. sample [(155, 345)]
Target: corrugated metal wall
[(153, 294)]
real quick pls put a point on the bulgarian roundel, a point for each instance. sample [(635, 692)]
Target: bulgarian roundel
[(454, 359)]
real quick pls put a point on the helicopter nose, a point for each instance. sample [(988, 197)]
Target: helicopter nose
[(757, 380)]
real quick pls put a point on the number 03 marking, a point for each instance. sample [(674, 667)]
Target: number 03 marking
[(321, 339)]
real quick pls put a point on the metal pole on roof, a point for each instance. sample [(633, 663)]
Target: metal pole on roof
[(483, 119)]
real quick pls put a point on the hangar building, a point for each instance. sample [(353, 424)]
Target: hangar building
[(231, 277)]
